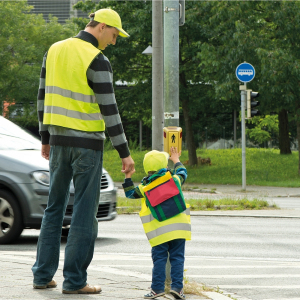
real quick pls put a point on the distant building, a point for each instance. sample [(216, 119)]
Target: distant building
[(62, 9)]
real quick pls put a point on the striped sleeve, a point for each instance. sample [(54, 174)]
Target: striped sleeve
[(100, 79), (180, 170), (131, 191), (43, 129)]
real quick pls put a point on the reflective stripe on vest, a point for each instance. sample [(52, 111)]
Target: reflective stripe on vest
[(177, 227), (69, 94), (69, 101), (166, 229)]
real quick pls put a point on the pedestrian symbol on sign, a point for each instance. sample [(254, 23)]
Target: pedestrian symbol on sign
[(173, 138)]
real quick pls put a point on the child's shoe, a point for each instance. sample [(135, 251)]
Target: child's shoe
[(153, 295), (177, 295)]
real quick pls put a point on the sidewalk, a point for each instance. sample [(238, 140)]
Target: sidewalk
[(254, 191), (16, 281)]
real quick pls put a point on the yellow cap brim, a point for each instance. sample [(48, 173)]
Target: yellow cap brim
[(122, 32)]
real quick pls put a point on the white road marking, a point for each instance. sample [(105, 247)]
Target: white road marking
[(243, 287), (247, 276)]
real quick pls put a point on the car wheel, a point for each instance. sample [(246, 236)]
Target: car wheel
[(65, 231), (11, 223)]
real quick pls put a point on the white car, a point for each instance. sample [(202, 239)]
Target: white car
[(24, 185)]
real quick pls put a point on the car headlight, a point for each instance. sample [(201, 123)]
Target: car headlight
[(42, 177)]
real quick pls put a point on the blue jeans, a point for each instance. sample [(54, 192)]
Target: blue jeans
[(176, 250), (85, 167)]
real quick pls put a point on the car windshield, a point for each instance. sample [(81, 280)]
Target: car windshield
[(13, 137)]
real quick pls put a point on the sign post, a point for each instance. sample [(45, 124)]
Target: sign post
[(244, 72)]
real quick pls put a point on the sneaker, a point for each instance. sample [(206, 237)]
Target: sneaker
[(153, 295), (177, 295), (88, 289), (49, 285)]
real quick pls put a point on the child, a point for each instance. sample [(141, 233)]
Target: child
[(167, 236)]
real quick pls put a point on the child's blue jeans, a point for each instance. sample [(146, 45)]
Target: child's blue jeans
[(176, 250)]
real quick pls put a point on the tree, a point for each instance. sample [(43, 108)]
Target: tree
[(216, 38), (264, 128), (24, 39), (280, 64), (264, 34), (131, 66), (284, 141), (193, 90)]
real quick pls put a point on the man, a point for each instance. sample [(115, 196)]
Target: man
[(75, 103)]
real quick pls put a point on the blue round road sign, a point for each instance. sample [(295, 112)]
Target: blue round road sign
[(245, 72)]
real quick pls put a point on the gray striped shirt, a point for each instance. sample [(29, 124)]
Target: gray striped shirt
[(100, 80)]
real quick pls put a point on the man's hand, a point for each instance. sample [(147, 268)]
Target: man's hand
[(45, 151), (127, 165)]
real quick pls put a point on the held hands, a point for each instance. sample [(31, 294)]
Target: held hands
[(174, 155), (128, 166)]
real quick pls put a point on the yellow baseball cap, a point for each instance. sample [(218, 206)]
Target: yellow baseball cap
[(111, 18), (155, 160)]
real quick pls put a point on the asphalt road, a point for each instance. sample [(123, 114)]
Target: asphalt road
[(248, 258)]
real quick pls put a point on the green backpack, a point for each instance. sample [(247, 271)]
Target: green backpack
[(164, 196)]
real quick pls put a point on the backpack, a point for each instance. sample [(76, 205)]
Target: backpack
[(164, 196)]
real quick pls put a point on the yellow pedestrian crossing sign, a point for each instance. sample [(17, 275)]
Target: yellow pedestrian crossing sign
[(172, 138)]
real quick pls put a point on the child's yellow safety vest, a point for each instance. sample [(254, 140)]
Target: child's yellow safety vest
[(159, 232)]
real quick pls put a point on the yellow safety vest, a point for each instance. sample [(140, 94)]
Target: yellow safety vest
[(177, 227), (69, 101)]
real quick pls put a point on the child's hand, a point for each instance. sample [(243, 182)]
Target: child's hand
[(174, 155), (129, 174)]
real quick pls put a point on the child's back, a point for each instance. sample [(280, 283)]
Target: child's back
[(168, 235)]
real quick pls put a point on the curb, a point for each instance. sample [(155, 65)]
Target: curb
[(229, 213), (216, 296), (197, 214)]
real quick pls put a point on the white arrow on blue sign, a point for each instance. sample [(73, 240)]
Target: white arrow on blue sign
[(245, 72)]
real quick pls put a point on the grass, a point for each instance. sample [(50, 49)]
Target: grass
[(189, 287), (194, 288), (229, 204), (128, 206), (264, 167)]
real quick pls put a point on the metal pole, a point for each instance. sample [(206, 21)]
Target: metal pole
[(243, 105), (206, 137), (171, 62), (234, 128), (157, 76), (171, 76)]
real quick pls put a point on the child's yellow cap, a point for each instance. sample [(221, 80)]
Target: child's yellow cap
[(155, 160)]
